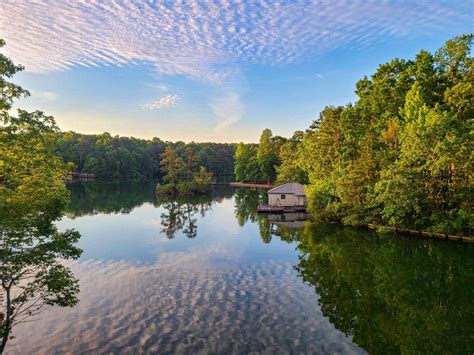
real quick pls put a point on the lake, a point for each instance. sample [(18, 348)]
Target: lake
[(207, 275)]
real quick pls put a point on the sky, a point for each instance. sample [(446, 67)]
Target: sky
[(217, 71)]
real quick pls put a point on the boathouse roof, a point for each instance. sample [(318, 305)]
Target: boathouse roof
[(290, 188)]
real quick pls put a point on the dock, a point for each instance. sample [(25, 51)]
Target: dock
[(251, 184)]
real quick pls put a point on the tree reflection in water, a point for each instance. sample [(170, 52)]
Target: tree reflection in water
[(89, 198), (179, 214), (391, 294), (32, 250), (246, 203), (31, 272)]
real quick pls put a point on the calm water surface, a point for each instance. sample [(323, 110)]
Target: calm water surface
[(207, 275)]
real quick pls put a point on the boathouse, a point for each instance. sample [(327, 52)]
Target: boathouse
[(290, 194)]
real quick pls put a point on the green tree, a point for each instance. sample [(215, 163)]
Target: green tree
[(290, 156), (172, 165), (190, 160), (33, 197), (267, 156), (355, 187), (321, 157), (202, 181), (203, 177), (246, 163), (402, 153)]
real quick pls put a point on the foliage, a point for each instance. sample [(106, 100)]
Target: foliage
[(402, 154), (246, 163), (267, 156), (32, 197), (259, 162), (179, 173), (8, 90), (114, 157), (202, 180), (172, 165), (290, 169)]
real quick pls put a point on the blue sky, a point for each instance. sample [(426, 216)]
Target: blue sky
[(210, 70)]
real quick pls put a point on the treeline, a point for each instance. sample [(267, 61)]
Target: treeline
[(260, 162), (400, 155), (114, 157)]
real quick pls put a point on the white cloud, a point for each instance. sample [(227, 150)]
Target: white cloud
[(45, 95), (163, 102), (162, 87), (207, 40), (228, 110)]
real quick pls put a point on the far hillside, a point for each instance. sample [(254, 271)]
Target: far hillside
[(115, 157)]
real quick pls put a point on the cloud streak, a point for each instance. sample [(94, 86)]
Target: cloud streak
[(45, 95), (163, 102), (228, 110), (207, 40)]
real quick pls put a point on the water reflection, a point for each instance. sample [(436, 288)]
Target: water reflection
[(32, 275), (109, 197), (306, 288), (246, 202), (391, 294), (179, 213)]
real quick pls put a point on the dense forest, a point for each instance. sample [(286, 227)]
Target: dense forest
[(112, 157), (261, 162), (400, 155)]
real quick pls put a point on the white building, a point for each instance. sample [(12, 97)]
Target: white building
[(290, 194)]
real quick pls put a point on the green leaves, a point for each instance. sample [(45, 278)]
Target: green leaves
[(178, 175), (32, 197), (267, 156), (402, 154), (246, 166)]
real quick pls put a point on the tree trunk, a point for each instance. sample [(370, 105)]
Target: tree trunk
[(7, 322)]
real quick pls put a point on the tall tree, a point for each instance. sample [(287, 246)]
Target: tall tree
[(32, 198), (402, 153), (290, 156), (246, 164), (172, 165), (267, 156), (190, 160)]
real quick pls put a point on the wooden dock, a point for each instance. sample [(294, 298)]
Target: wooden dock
[(252, 184)]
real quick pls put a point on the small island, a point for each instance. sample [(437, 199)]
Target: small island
[(181, 176)]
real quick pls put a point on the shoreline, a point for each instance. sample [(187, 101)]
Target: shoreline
[(423, 234), (252, 184)]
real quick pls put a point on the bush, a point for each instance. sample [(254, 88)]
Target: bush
[(167, 189)]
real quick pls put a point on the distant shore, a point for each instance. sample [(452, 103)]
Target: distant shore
[(252, 184)]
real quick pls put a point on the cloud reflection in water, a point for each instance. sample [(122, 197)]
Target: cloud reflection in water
[(184, 303)]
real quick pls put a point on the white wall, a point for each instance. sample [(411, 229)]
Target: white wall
[(301, 200), (290, 200), (275, 200)]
